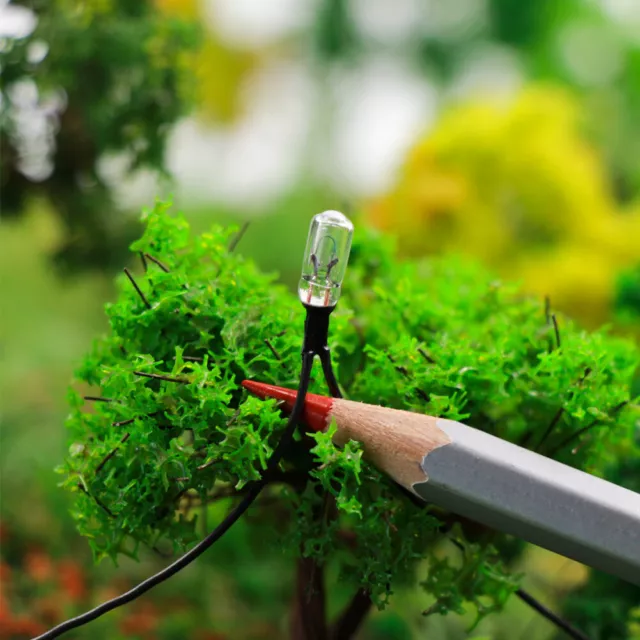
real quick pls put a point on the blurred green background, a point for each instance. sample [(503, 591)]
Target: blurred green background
[(503, 129)]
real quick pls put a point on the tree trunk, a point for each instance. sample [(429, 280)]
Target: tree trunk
[(353, 616), (309, 620)]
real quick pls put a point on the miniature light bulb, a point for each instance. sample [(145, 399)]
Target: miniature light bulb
[(325, 259)]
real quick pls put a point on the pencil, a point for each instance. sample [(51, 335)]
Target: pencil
[(487, 479)]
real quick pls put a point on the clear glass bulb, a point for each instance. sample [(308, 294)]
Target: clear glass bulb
[(325, 259)]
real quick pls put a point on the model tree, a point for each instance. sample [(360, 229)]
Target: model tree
[(167, 428)]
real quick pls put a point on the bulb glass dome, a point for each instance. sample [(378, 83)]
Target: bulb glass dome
[(325, 259)]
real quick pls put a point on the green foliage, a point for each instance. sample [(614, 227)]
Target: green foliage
[(185, 433), (340, 470), (437, 337), (478, 577), (628, 293), (602, 607), (334, 34)]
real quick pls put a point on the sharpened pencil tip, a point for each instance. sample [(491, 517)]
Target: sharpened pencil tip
[(317, 409), (259, 389)]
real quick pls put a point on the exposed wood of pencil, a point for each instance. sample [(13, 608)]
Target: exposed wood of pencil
[(394, 441), (499, 484)]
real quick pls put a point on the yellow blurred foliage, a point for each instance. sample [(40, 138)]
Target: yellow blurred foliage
[(634, 624), (221, 73), (219, 70), (189, 9), (546, 568), (517, 185)]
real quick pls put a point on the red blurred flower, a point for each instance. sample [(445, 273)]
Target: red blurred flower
[(209, 635), (5, 573), (49, 609), (71, 580), (143, 620), (38, 565), (20, 627), (5, 579)]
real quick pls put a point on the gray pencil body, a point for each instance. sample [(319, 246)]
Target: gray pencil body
[(538, 499), (489, 480)]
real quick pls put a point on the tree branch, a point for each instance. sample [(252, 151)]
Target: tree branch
[(577, 434), (157, 376), (234, 243), (352, 617), (157, 262), (137, 288), (309, 616)]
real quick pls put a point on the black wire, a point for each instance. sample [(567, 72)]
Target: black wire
[(248, 499), (570, 630), (329, 374), (216, 534)]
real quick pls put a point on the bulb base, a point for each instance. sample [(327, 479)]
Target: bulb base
[(316, 329)]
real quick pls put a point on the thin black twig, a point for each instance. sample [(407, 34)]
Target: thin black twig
[(569, 439), (426, 356), (585, 375), (208, 464), (233, 418), (157, 376), (547, 309), (98, 399), (556, 329), (273, 350), (192, 359), (405, 372), (234, 243), (137, 288), (157, 262), (112, 453), (556, 418), (97, 500), (122, 423), (550, 428), (144, 262)]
